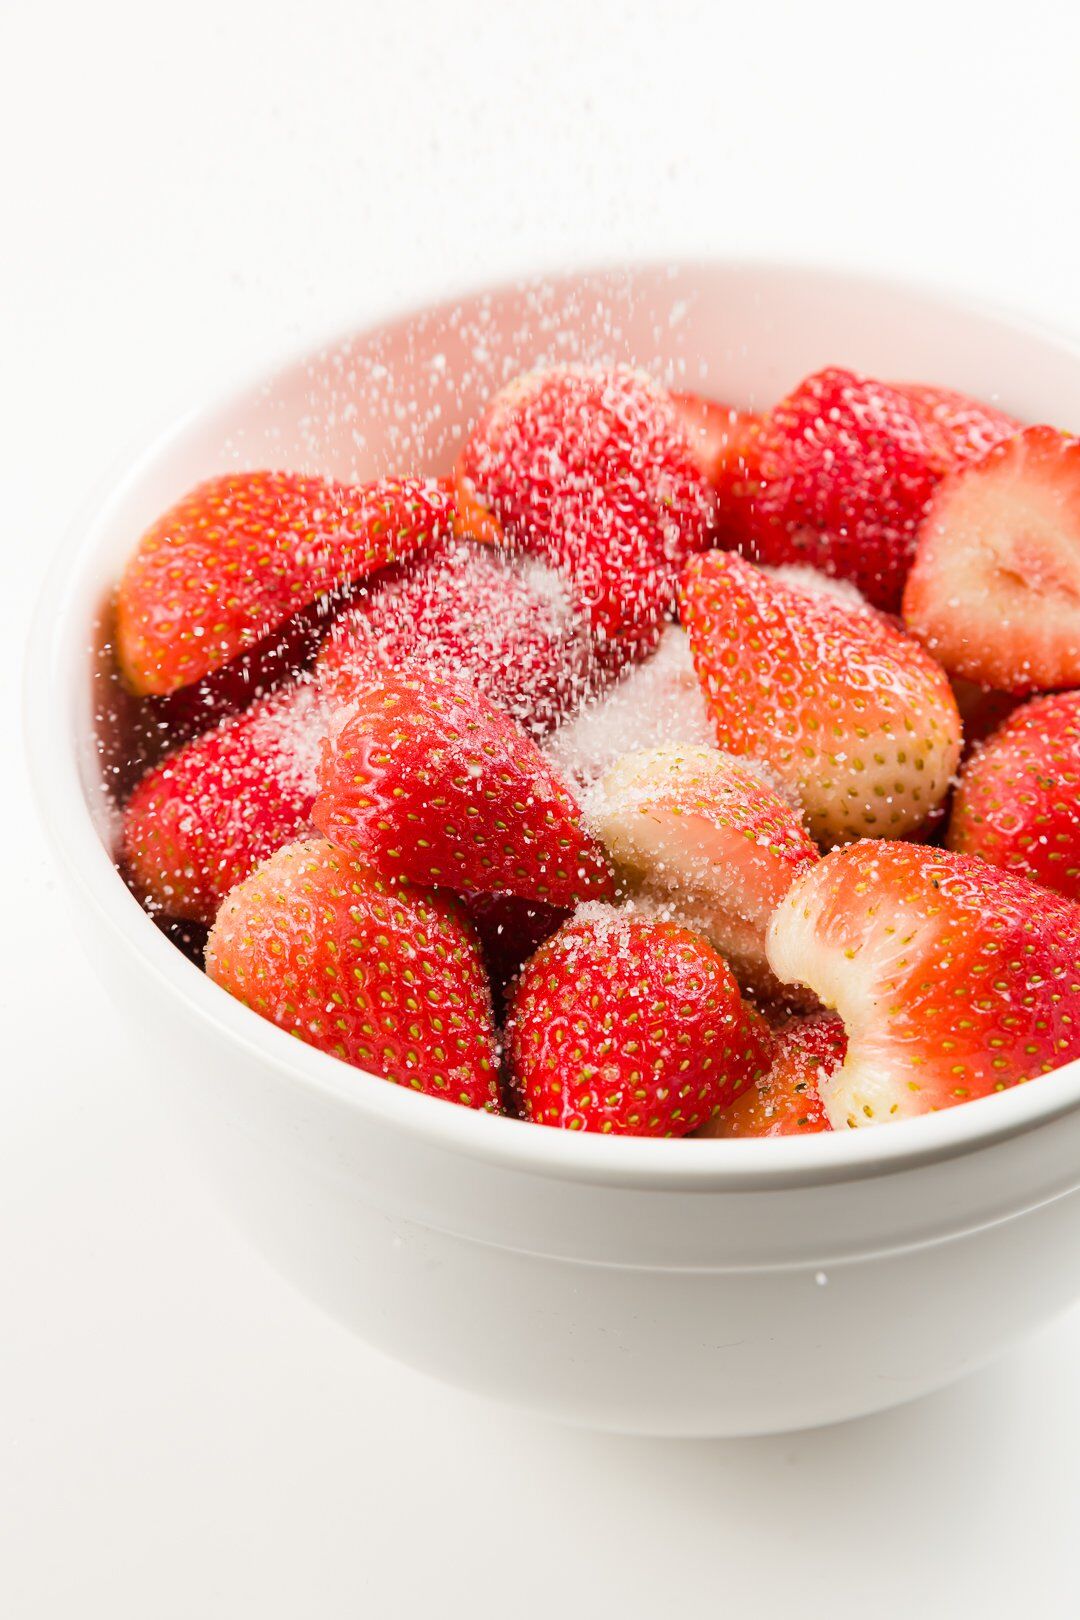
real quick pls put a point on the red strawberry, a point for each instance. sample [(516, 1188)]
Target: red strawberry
[(719, 436), (509, 931), (591, 470), (207, 815), (1018, 803), (429, 781), (786, 1101), (384, 976), (838, 475), (995, 588), (849, 712), (505, 622), (628, 1025), (953, 979), (982, 709), (708, 835), (966, 428), (241, 554)]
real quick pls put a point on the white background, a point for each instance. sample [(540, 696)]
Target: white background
[(185, 193)]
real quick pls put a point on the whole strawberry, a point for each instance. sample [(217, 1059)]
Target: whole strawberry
[(848, 711), (953, 979), (592, 471), (507, 623), (1018, 802), (838, 476), (385, 977), (204, 818), (240, 555), (429, 781), (630, 1026), (787, 1100)]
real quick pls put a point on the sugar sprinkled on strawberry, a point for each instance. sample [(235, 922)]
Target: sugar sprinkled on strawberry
[(787, 1100)]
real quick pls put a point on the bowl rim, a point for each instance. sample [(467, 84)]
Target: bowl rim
[(674, 1165)]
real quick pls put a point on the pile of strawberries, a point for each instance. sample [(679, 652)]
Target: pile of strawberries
[(621, 782)]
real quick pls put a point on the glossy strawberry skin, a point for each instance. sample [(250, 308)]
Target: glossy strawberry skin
[(851, 713), (592, 471), (786, 1101), (461, 608), (838, 476), (719, 435), (628, 1026), (1018, 802), (386, 977), (430, 782), (994, 591), (202, 820), (954, 979), (240, 555)]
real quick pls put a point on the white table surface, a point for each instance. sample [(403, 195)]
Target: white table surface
[(186, 193)]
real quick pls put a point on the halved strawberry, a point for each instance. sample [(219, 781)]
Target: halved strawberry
[(205, 817), (627, 1025), (463, 609), (839, 473), (849, 712), (718, 434), (592, 471), (386, 977), (787, 1100), (953, 979), (1018, 802), (429, 781), (995, 588), (708, 833), (240, 555)]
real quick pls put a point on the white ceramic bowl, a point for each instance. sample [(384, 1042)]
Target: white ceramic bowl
[(669, 1287)]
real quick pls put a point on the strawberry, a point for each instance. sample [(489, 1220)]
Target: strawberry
[(708, 833), (953, 979), (1018, 802), (239, 555), (846, 709), (506, 622), (208, 814), (995, 588), (510, 930), (838, 475), (429, 781), (592, 471), (384, 976), (787, 1101), (718, 435), (623, 1024)]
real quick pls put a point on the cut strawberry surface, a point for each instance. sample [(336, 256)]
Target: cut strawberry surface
[(592, 471), (429, 781), (995, 588), (953, 979), (240, 555), (386, 977), (625, 1025), (202, 820), (849, 712), (1018, 802), (786, 1101), (708, 833), (838, 476), (506, 622)]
